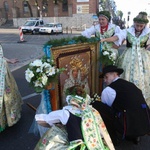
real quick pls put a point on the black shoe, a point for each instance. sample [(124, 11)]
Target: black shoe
[(136, 140)]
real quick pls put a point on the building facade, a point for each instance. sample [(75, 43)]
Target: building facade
[(71, 13), (10, 9), (77, 11)]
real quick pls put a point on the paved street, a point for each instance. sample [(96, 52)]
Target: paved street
[(17, 137), (25, 51)]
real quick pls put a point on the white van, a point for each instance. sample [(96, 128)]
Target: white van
[(32, 26)]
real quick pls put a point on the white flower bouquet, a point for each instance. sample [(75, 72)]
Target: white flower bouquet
[(107, 56), (95, 97), (41, 72)]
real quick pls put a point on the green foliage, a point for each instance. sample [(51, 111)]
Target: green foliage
[(141, 18), (76, 90), (105, 60), (41, 72), (107, 57), (120, 14), (69, 41), (105, 13)]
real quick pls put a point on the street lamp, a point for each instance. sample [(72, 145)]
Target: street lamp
[(128, 19)]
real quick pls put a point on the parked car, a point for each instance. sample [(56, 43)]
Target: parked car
[(32, 26), (51, 28)]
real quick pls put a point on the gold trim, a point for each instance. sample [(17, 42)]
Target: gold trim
[(73, 49)]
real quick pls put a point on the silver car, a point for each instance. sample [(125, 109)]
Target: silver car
[(51, 28)]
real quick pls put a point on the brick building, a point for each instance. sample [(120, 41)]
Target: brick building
[(64, 11), (10, 9)]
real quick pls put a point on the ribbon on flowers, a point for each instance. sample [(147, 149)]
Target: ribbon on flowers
[(2, 77), (47, 100), (47, 50)]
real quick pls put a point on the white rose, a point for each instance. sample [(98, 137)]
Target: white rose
[(48, 60), (51, 71), (57, 70), (28, 75), (37, 63), (46, 67), (38, 83), (44, 79), (110, 57), (39, 69), (113, 56), (105, 53)]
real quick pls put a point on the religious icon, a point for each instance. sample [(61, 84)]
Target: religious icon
[(81, 68)]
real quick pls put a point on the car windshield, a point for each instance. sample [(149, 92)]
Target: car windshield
[(30, 23), (59, 25), (49, 25)]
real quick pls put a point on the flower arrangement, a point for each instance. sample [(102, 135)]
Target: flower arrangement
[(41, 72), (95, 97), (107, 57)]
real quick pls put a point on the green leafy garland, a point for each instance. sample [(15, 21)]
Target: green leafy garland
[(69, 41), (142, 20), (105, 13), (107, 57)]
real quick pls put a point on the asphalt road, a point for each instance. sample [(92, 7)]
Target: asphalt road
[(17, 137)]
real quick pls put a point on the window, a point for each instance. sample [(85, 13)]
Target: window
[(41, 22), (45, 6), (6, 6), (59, 25), (37, 24), (25, 7), (30, 23), (65, 5)]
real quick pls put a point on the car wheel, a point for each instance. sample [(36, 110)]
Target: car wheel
[(52, 32), (33, 32)]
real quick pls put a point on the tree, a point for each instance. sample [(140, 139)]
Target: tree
[(120, 14)]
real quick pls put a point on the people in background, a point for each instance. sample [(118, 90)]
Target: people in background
[(122, 107), (104, 29), (135, 58)]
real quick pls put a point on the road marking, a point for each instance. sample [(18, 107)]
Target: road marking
[(29, 96)]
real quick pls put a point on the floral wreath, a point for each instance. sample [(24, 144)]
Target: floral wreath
[(141, 18), (105, 14)]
